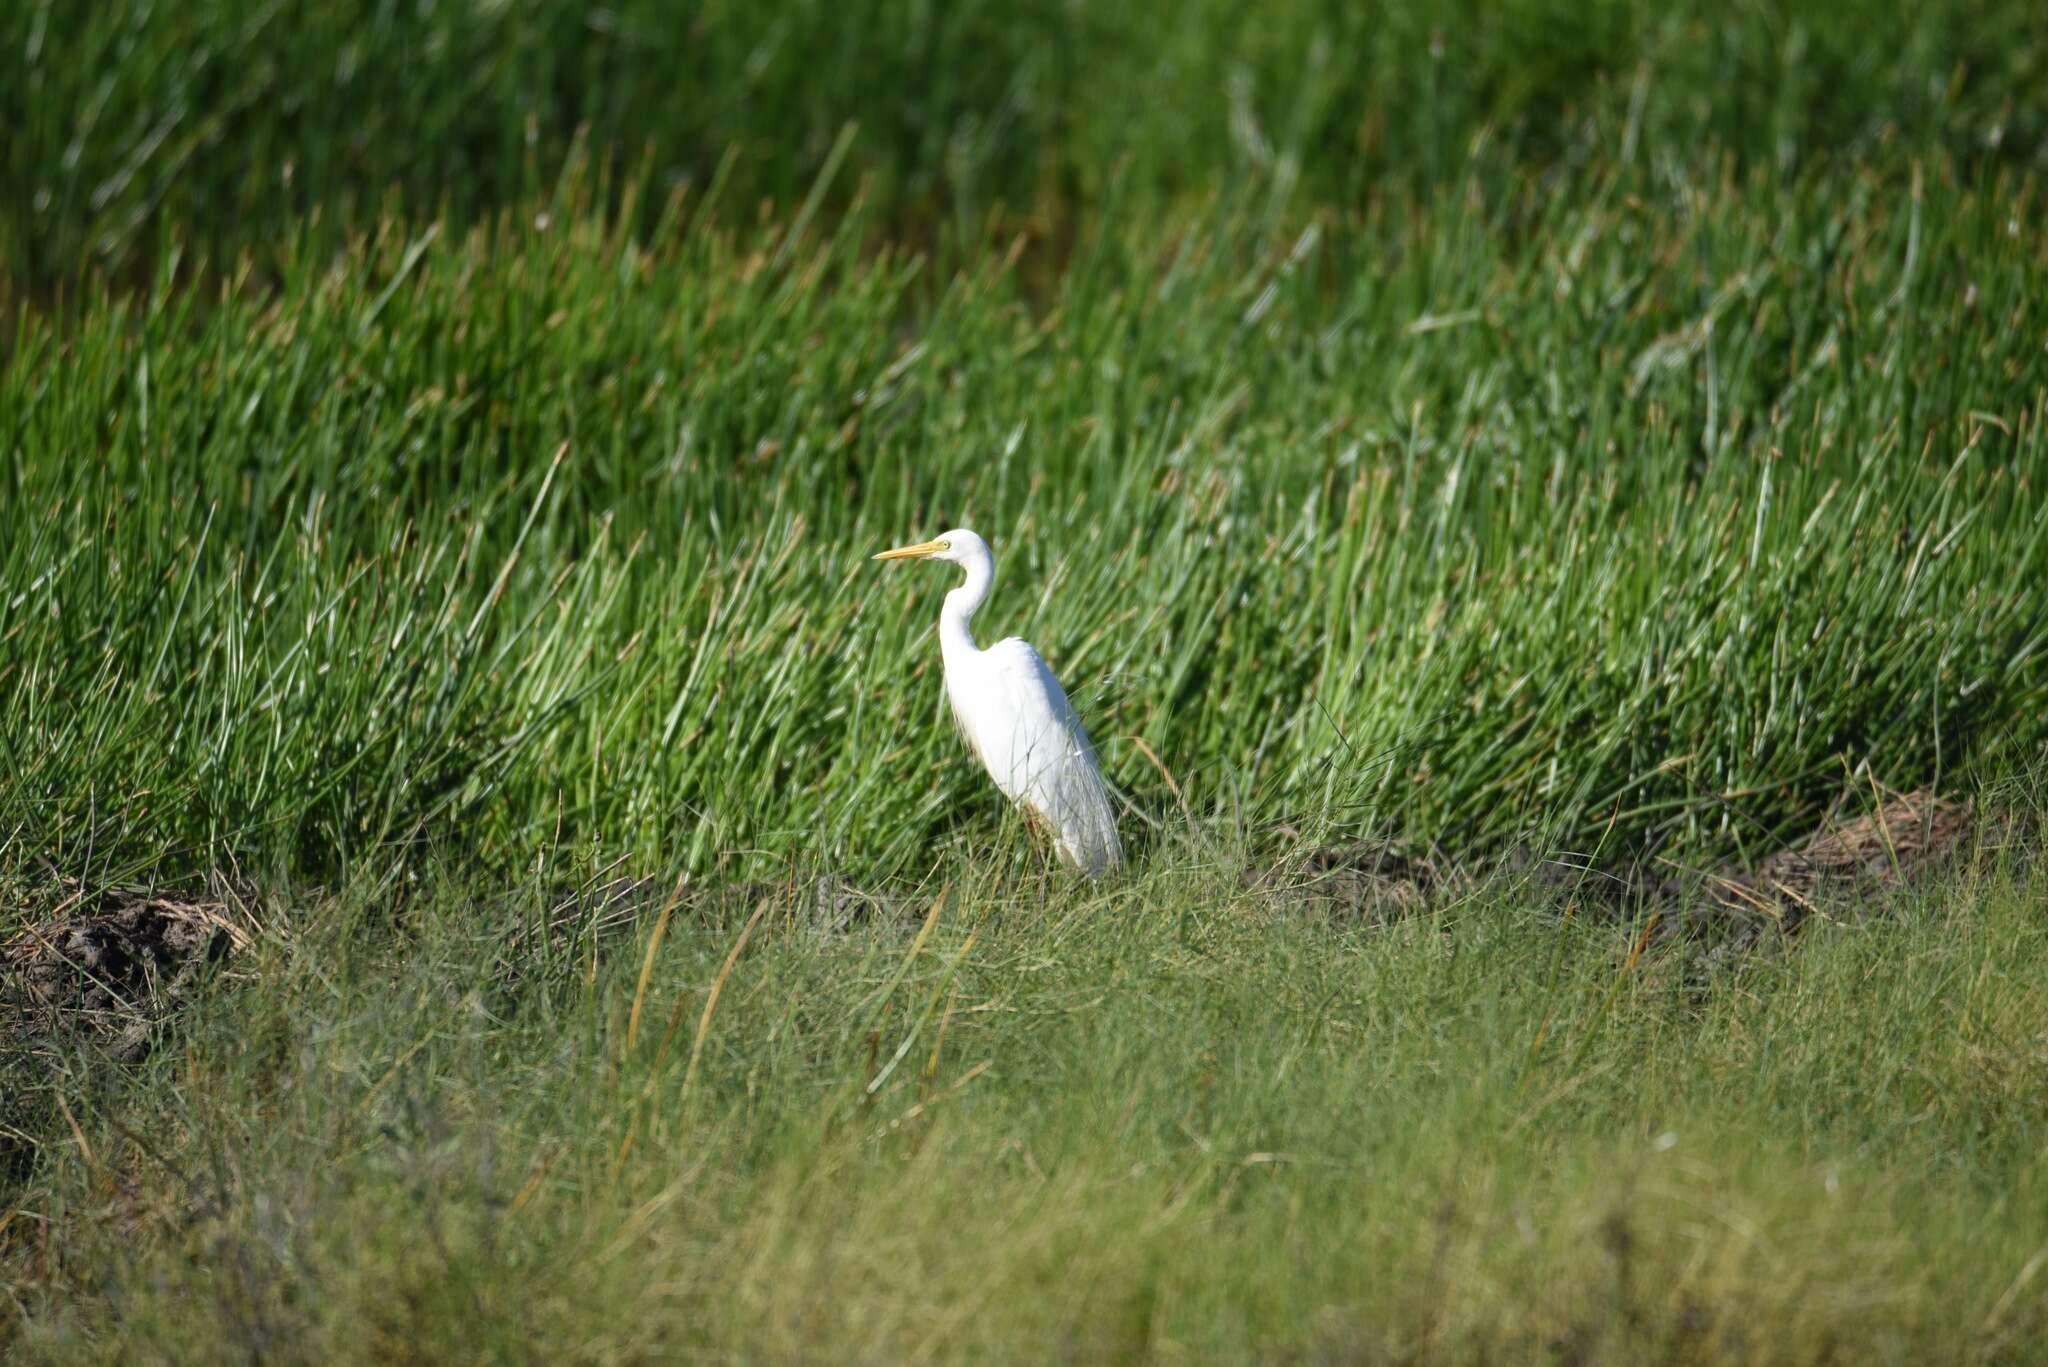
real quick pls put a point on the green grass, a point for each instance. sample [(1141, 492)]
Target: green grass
[(220, 124), (1555, 519), (1154, 1122), (1514, 432)]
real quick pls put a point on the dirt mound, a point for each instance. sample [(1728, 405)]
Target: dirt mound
[(1904, 838), (1370, 878), (112, 965), (1907, 836)]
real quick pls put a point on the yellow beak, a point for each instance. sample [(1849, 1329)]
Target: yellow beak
[(917, 552)]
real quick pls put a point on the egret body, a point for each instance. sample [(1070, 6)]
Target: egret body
[(1017, 719)]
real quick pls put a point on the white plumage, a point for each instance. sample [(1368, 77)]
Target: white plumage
[(1017, 719)]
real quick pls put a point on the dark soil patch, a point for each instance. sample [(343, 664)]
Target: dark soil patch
[(110, 967)]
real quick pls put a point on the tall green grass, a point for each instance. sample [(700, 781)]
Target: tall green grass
[(1151, 1123), (1548, 517), (134, 126)]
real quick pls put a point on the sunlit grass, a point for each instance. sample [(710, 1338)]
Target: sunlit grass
[(549, 541)]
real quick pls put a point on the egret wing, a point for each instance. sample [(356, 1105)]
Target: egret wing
[(1036, 749)]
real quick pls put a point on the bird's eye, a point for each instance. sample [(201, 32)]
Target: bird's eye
[(945, 545)]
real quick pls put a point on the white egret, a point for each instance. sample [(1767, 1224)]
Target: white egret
[(1017, 719)]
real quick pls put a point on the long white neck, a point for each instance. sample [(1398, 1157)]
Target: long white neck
[(956, 640)]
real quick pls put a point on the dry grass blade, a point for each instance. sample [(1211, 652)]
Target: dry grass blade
[(668, 907), (711, 997)]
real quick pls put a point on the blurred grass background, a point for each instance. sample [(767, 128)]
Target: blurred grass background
[(1147, 1124), (224, 126)]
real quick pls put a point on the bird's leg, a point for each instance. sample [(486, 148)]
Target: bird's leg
[(1042, 845)]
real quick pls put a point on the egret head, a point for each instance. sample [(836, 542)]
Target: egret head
[(960, 546)]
